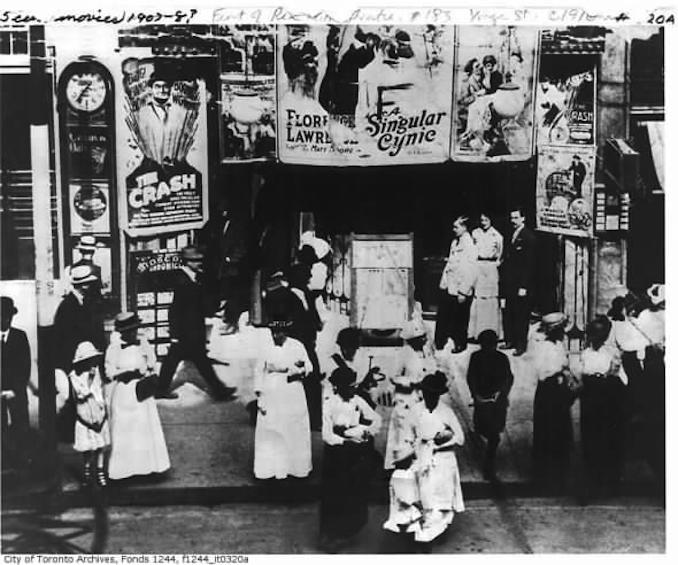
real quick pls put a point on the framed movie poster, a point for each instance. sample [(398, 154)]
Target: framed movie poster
[(565, 190), (494, 69), (248, 105), (364, 95), (565, 107), (162, 146)]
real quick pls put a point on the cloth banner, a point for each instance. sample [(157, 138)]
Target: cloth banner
[(364, 95), (162, 146), (565, 101), (247, 92), (494, 71), (565, 190)]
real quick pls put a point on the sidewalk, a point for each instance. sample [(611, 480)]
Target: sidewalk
[(211, 444)]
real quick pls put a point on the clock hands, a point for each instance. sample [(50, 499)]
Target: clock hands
[(83, 91)]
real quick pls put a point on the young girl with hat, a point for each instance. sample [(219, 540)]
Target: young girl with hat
[(92, 435), (348, 424), (282, 439), (415, 361), (434, 431), (138, 441)]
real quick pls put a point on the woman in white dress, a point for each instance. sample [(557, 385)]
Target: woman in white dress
[(282, 439), (138, 442), (485, 310), (415, 361), (434, 432)]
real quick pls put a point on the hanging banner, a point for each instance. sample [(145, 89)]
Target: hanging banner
[(248, 119), (372, 95), (494, 71), (565, 101), (162, 146), (565, 190)]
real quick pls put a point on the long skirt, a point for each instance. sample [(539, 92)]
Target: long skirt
[(440, 495), (485, 311), (345, 488), (282, 439), (398, 428), (603, 427), (552, 426), (138, 442)]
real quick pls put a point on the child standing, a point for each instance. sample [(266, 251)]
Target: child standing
[(92, 434)]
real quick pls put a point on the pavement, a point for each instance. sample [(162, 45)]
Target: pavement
[(237, 530), (211, 444)]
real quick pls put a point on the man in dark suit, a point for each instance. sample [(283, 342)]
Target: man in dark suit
[(517, 283), (15, 358), (187, 329)]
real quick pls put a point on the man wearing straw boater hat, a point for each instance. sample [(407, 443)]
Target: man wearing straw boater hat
[(187, 329)]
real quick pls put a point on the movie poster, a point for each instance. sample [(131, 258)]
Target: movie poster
[(565, 100), (162, 158), (494, 71), (248, 108), (364, 95), (565, 190)]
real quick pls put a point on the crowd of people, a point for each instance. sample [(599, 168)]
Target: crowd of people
[(107, 390)]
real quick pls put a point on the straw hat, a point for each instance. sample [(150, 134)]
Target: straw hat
[(553, 321), (85, 351), (412, 329), (82, 274), (191, 253), (127, 321), (87, 243)]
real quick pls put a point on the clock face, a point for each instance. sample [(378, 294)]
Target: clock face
[(86, 91)]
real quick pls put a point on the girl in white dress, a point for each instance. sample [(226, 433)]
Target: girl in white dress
[(416, 361), (282, 439), (138, 441), (92, 435)]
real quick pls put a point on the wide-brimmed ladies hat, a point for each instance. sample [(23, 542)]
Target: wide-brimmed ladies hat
[(553, 321), (656, 293), (83, 274), (412, 330), (85, 351), (126, 321), (342, 376), (435, 383)]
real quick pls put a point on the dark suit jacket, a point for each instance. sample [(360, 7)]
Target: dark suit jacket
[(187, 312), (518, 269), (305, 322), (489, 372), (73, 324), (15, 364)]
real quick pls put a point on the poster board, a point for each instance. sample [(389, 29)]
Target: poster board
[(382, 280)]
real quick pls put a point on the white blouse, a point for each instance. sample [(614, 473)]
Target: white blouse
[(339, 412), (549, 358), (489, 243), (603, 361)]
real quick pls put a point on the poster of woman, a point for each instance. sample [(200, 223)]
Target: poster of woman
[(364, 95), (248, 109), (565, 190), (162, 142), (494, 71)]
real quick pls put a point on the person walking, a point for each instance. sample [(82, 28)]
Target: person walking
[(15, 373), (138, 442), (282, 438), (517, 283), (485, 312), (603, 407), (457, 285), (490, 380), (552, 421), (348, 424), (187, 330)]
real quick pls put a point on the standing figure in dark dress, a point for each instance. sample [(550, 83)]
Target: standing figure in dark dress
[(490, 380)]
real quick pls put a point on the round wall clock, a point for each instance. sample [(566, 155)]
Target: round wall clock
[(86, 91)]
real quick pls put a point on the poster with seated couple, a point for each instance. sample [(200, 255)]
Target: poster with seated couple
[(162, 144), (364, 95), (494, 70)]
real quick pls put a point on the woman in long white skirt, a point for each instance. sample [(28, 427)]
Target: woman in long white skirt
[(282, 439), (485, 309), (138, 442)]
